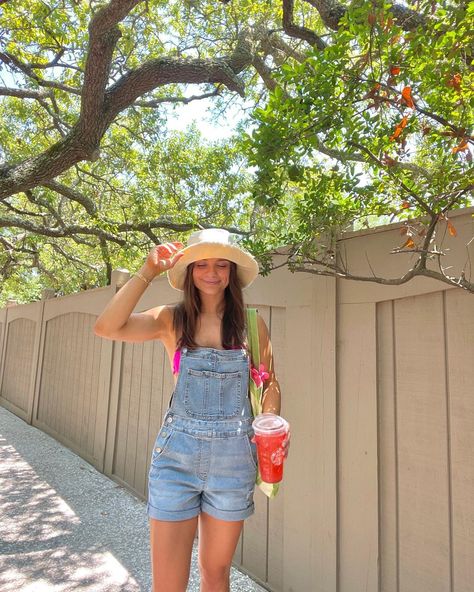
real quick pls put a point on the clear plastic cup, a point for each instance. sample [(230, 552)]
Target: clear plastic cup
[(270, 432)]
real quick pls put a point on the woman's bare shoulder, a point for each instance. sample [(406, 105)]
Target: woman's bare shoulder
[(163, 316)]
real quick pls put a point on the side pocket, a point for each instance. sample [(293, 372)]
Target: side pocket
[(252, 450), (161, 443)]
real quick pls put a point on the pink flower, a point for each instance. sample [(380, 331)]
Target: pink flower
[(259, 376)]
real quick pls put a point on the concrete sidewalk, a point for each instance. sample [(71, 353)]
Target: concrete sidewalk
[(66, 527)]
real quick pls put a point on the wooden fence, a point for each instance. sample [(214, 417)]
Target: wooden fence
[(377, 384)]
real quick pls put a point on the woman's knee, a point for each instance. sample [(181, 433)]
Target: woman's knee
[(214, 575)]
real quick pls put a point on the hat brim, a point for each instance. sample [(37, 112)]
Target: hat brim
[(247, 266)]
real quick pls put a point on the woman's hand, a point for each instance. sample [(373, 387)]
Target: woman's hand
[(161, 258)]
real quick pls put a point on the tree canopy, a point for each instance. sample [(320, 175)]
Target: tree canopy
[(358, 111), (375, 124)]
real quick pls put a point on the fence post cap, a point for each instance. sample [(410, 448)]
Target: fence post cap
[(119, 277)]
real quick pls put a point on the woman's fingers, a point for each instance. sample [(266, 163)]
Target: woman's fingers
[(167, 249), (175, 259), (169, 261), (164, 256)]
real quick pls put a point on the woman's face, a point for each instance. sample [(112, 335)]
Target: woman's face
[(211, 275)]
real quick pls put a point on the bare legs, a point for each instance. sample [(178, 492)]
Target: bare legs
[(217, 542), (171, 548)]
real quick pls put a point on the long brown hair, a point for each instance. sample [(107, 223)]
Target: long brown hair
[(186, 313)]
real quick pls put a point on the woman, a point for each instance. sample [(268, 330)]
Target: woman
[(203, 466)]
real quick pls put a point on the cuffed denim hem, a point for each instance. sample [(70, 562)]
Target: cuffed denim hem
[(172, 516), (230, 515)]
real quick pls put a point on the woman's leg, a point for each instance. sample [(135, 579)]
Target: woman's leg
[(171, 548), (217, 543)]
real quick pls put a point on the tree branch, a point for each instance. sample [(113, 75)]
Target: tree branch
[(185, 100), (264, 72), (71, 258), (97, 114), (293, 30), (372, 156), (16, 248), (460, 131), (73, 195), (21, 212), (103, 36), (335, 271), (271, 42), (21, 93), (73, 230), (65, 231), (344, 157), (163, 71), (9, 59), (53, 63), (421, 263), (38, 201), (332, 11)]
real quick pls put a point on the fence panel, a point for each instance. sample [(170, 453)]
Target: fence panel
[(422, 444), (357, 446), (68, 394), (139, 412), (387, 448), (22, 334), (459, 319)]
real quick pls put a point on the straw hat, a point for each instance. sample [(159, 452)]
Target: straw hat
[(213, 243)]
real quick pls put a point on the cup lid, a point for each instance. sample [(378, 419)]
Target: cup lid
[(269, 424)]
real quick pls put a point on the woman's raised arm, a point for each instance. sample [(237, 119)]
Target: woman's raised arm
[(117, 321)]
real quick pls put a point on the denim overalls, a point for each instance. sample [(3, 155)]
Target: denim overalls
[(203, 459)]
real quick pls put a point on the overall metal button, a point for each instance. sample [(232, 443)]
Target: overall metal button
[(169, 420), (158, 449)]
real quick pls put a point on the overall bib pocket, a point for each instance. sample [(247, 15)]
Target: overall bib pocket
[(212, 395)]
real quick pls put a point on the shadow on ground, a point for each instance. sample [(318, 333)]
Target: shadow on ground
[(63, 525)]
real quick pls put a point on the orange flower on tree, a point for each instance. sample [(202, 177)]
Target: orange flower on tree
[(373, 91), (409, 244), (399, 128), (461, 147), (455, 82), (407, 98), (451, 229)]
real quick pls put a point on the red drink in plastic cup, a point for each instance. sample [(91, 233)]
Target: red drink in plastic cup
[(270, 432)]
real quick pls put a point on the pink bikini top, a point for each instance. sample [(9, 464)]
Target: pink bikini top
[(177, 359)]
